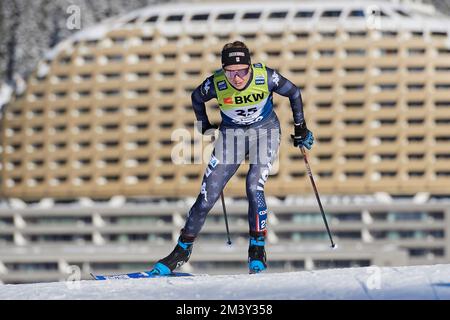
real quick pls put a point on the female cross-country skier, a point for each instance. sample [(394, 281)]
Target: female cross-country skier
[(244, 94)]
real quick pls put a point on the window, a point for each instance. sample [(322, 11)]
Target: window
[(112, 76), (354, 87), (402, 13), (388, 51), (416, 121), (389, 34), (354, 156), (357, 34), (304, 14), (442, 68), (416, 173), (226, 16), (387, 86), (416, 51), (326, 52), (388, 173), (88, 58), (355, 69), (442, 121), (278, 15), (174, 18), (442, 86), (300, 53), (251, 16), (325, 70), (388, 69), (354, 104), (302, 35), (324, 122), (200, 17), (415, 104), (197, 37), (144, 57), (354, 139), (442, 138), (65, 60), (414, 139), (416, 69), (354, 122), (329, 34), (354, 174), (415, 86), (247, 36), (297, 70), (442, 156), (387, 138), (118, 40), (442, 104), (114, 58), (131, 21), (387, 156), (355, 52), (357, 13), (416, 156), (151, 19), (331, 14), (440, 34), (273, 53), (274, 36)]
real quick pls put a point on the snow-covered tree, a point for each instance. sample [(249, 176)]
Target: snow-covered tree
[(29, 28)]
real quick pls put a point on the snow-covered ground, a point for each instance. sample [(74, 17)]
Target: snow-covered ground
[(419, 282)]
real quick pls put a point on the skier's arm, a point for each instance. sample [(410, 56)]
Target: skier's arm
[(284, 87), (202, 94)]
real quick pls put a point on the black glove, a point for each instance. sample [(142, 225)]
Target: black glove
[(205, 126), (302, 137)]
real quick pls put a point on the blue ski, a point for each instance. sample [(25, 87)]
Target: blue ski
[(139, 275)]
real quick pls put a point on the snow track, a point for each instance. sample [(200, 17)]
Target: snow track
[(418, 282)]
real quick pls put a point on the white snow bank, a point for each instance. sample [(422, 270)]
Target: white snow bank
[(421, 282)]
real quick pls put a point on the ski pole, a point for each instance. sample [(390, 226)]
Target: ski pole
[(308, 168), (226, 218), (222, 197)]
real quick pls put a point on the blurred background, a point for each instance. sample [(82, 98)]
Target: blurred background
[(91, 92)]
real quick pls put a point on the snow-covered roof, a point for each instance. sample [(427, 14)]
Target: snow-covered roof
[(203, 17)]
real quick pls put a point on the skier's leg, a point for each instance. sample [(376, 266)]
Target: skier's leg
[(263, 152), (257, 216), (218, 172), (213, 183)]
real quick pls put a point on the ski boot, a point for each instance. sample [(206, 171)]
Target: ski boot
[(256, 253), (179, 256)]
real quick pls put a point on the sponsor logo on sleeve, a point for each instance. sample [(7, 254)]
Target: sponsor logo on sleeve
[(206, 86), (275, 78), (222, 85)]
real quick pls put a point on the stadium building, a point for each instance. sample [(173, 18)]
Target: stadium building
[(87, 173)]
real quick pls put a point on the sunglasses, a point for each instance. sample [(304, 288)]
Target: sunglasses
[(241, 73)]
